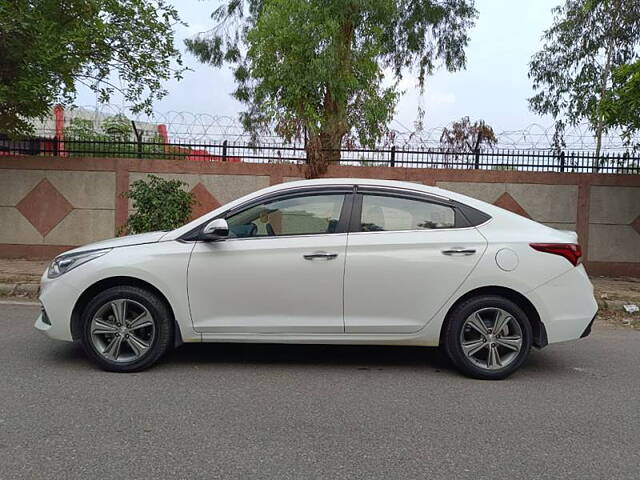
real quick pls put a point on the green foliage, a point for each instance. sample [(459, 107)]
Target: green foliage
[(505, 167), (314, 69), (49, 47), (621, 105), (114, 140), (159, 204), (81, 129), (573, 72), (117, 127)]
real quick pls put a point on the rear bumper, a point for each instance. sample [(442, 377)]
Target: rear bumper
[(587, 331), (566, 305)]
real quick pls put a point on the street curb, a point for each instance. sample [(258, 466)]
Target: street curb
[(20, 290), (21, 302)]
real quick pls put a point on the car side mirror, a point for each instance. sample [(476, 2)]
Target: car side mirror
[(215, 230)]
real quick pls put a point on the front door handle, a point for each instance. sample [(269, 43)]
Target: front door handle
[(320, 256), (459, 251)]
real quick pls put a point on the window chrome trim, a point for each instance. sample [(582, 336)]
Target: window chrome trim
[(353, 193), (425, 230), (296, 235)]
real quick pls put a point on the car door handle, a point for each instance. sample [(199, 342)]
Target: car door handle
[(320, 255), (459, 251)]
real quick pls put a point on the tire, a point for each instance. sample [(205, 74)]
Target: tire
[(131, 345), (490, 355)]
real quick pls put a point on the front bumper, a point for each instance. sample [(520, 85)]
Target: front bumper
[(58, 299), (42, 325)]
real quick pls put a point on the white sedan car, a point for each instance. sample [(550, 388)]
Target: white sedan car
[(345, 261)]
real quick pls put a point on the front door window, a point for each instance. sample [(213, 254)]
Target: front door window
[(306, 215)]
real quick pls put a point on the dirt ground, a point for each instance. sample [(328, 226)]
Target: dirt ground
[(612, 294), (623, 288)]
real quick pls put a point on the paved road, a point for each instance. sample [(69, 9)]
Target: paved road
[(268, 411)]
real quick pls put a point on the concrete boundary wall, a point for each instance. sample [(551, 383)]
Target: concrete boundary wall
[(48, 205)]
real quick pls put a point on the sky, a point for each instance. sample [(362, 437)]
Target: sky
[(494, 86)]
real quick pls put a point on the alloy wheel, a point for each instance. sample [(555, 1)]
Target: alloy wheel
[(122, 330), (491, 338)]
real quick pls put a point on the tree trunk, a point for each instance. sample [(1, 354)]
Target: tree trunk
[(322, 150), (599, 126), (323, 147), (599, 132)]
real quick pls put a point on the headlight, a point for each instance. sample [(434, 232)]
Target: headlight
[(64, 263)]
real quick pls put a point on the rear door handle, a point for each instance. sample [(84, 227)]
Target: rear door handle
[(320, 256), (459, 251)]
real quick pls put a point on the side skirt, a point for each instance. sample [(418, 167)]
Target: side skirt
[(344, 339)]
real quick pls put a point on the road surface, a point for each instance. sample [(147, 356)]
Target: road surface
[(269, 411)]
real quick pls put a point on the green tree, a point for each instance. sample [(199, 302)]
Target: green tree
[(117, 127), (113, 139), (621, 106), (315, 69), (573, 71), (159, 204), (50, 47)]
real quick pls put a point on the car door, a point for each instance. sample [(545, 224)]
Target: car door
[(281, 269), (407, 254)]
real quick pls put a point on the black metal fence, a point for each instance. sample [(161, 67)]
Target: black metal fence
[(398, 157)]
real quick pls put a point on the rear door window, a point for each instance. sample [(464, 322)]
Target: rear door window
[(383, 213)]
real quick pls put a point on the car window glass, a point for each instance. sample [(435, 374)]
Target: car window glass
[(291, 216), (385, 213)]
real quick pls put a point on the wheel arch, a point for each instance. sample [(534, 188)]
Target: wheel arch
[(538, 328), (117, 281)]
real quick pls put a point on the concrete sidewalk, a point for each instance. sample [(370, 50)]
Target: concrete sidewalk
[(21, 278)]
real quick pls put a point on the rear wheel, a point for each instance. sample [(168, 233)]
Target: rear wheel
[(126, 329), (487, 337)]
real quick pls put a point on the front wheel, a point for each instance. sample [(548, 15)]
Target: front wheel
[(126, 329), (487, 337)]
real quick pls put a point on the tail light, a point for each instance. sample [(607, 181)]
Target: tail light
[(570, 251)]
